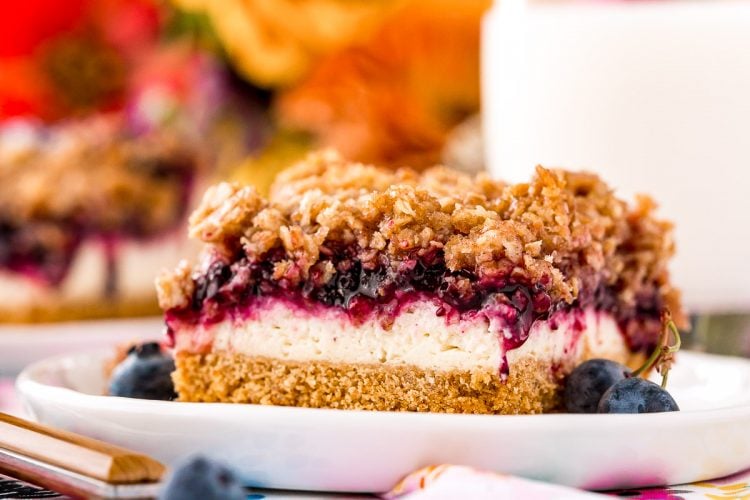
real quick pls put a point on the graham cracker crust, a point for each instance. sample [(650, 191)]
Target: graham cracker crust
[(79, 310), (532, 386)]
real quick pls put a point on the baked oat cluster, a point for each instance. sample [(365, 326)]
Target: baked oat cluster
[(564, 231)]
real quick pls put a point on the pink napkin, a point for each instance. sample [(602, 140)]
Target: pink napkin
[(453, 481)]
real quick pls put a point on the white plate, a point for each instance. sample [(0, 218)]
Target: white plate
[(23, 344), (357, 451)]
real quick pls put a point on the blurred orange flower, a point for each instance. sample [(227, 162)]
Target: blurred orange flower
[(394, 98), (383, 80), (275, 42)]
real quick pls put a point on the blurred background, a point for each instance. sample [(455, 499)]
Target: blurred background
[(115, 115), (385, 81)]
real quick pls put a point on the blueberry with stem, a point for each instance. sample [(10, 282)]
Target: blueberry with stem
[(637, 395), (589, 382)]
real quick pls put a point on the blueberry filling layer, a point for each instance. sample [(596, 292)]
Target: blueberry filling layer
[(231, 291), (41, 252)]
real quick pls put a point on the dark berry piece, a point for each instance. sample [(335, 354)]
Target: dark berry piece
[(146, 373), (200, 478), (145, 350), (589, 381), (207, 286), (636, 395)]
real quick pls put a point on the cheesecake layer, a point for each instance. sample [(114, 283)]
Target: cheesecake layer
[(417, 337)]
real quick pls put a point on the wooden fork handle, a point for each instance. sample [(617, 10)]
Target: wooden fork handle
[(80, 454)]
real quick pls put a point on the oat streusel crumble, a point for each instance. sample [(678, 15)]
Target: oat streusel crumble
[(375, 246)]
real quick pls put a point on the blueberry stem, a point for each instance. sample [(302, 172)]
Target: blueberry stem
[(663, 354), (668, 355)]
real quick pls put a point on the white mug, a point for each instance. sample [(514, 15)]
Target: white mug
[(654, 97)]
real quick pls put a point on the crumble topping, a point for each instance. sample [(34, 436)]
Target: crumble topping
[(226, 210), (564, 231), (175, 289)]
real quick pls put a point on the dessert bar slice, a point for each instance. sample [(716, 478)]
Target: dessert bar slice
[(362, 288)]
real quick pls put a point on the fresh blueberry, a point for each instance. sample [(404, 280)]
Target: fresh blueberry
[(589, 381), (636, 395), (200, 478), (145, 373)]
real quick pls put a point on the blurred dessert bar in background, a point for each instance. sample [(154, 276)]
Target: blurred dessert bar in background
[(108, 131), (88, 215)]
